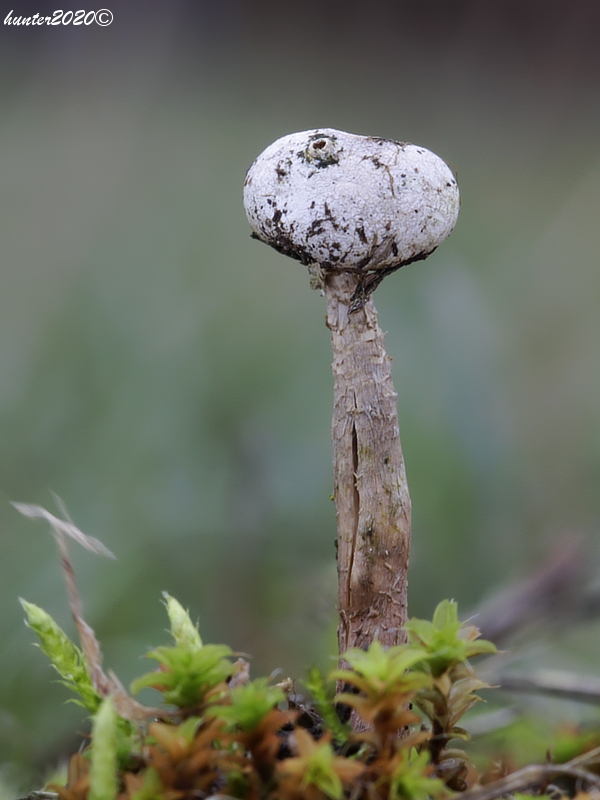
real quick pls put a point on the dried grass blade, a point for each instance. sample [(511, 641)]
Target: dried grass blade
[(64, 527)]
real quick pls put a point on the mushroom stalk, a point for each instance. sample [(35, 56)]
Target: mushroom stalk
[(370, 489), (354, 209)]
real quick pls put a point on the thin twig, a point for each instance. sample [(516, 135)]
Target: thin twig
[(43, 795), (591, 757), (527, 777), (552, 594), (557, 683)]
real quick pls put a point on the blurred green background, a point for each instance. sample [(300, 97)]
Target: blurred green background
[(169, 377)]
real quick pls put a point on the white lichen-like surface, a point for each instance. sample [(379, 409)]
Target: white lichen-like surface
[(349, 202)]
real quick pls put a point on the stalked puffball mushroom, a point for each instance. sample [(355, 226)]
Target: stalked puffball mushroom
[(354, 209), (351, 203)]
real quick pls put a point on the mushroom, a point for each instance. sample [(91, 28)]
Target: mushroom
[(354, 209)]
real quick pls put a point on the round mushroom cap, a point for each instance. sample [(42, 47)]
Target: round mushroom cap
[(348, 202)]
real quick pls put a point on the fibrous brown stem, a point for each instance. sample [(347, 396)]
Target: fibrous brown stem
[(370, 489)]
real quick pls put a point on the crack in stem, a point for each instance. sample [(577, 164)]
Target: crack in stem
[(355, 507)]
